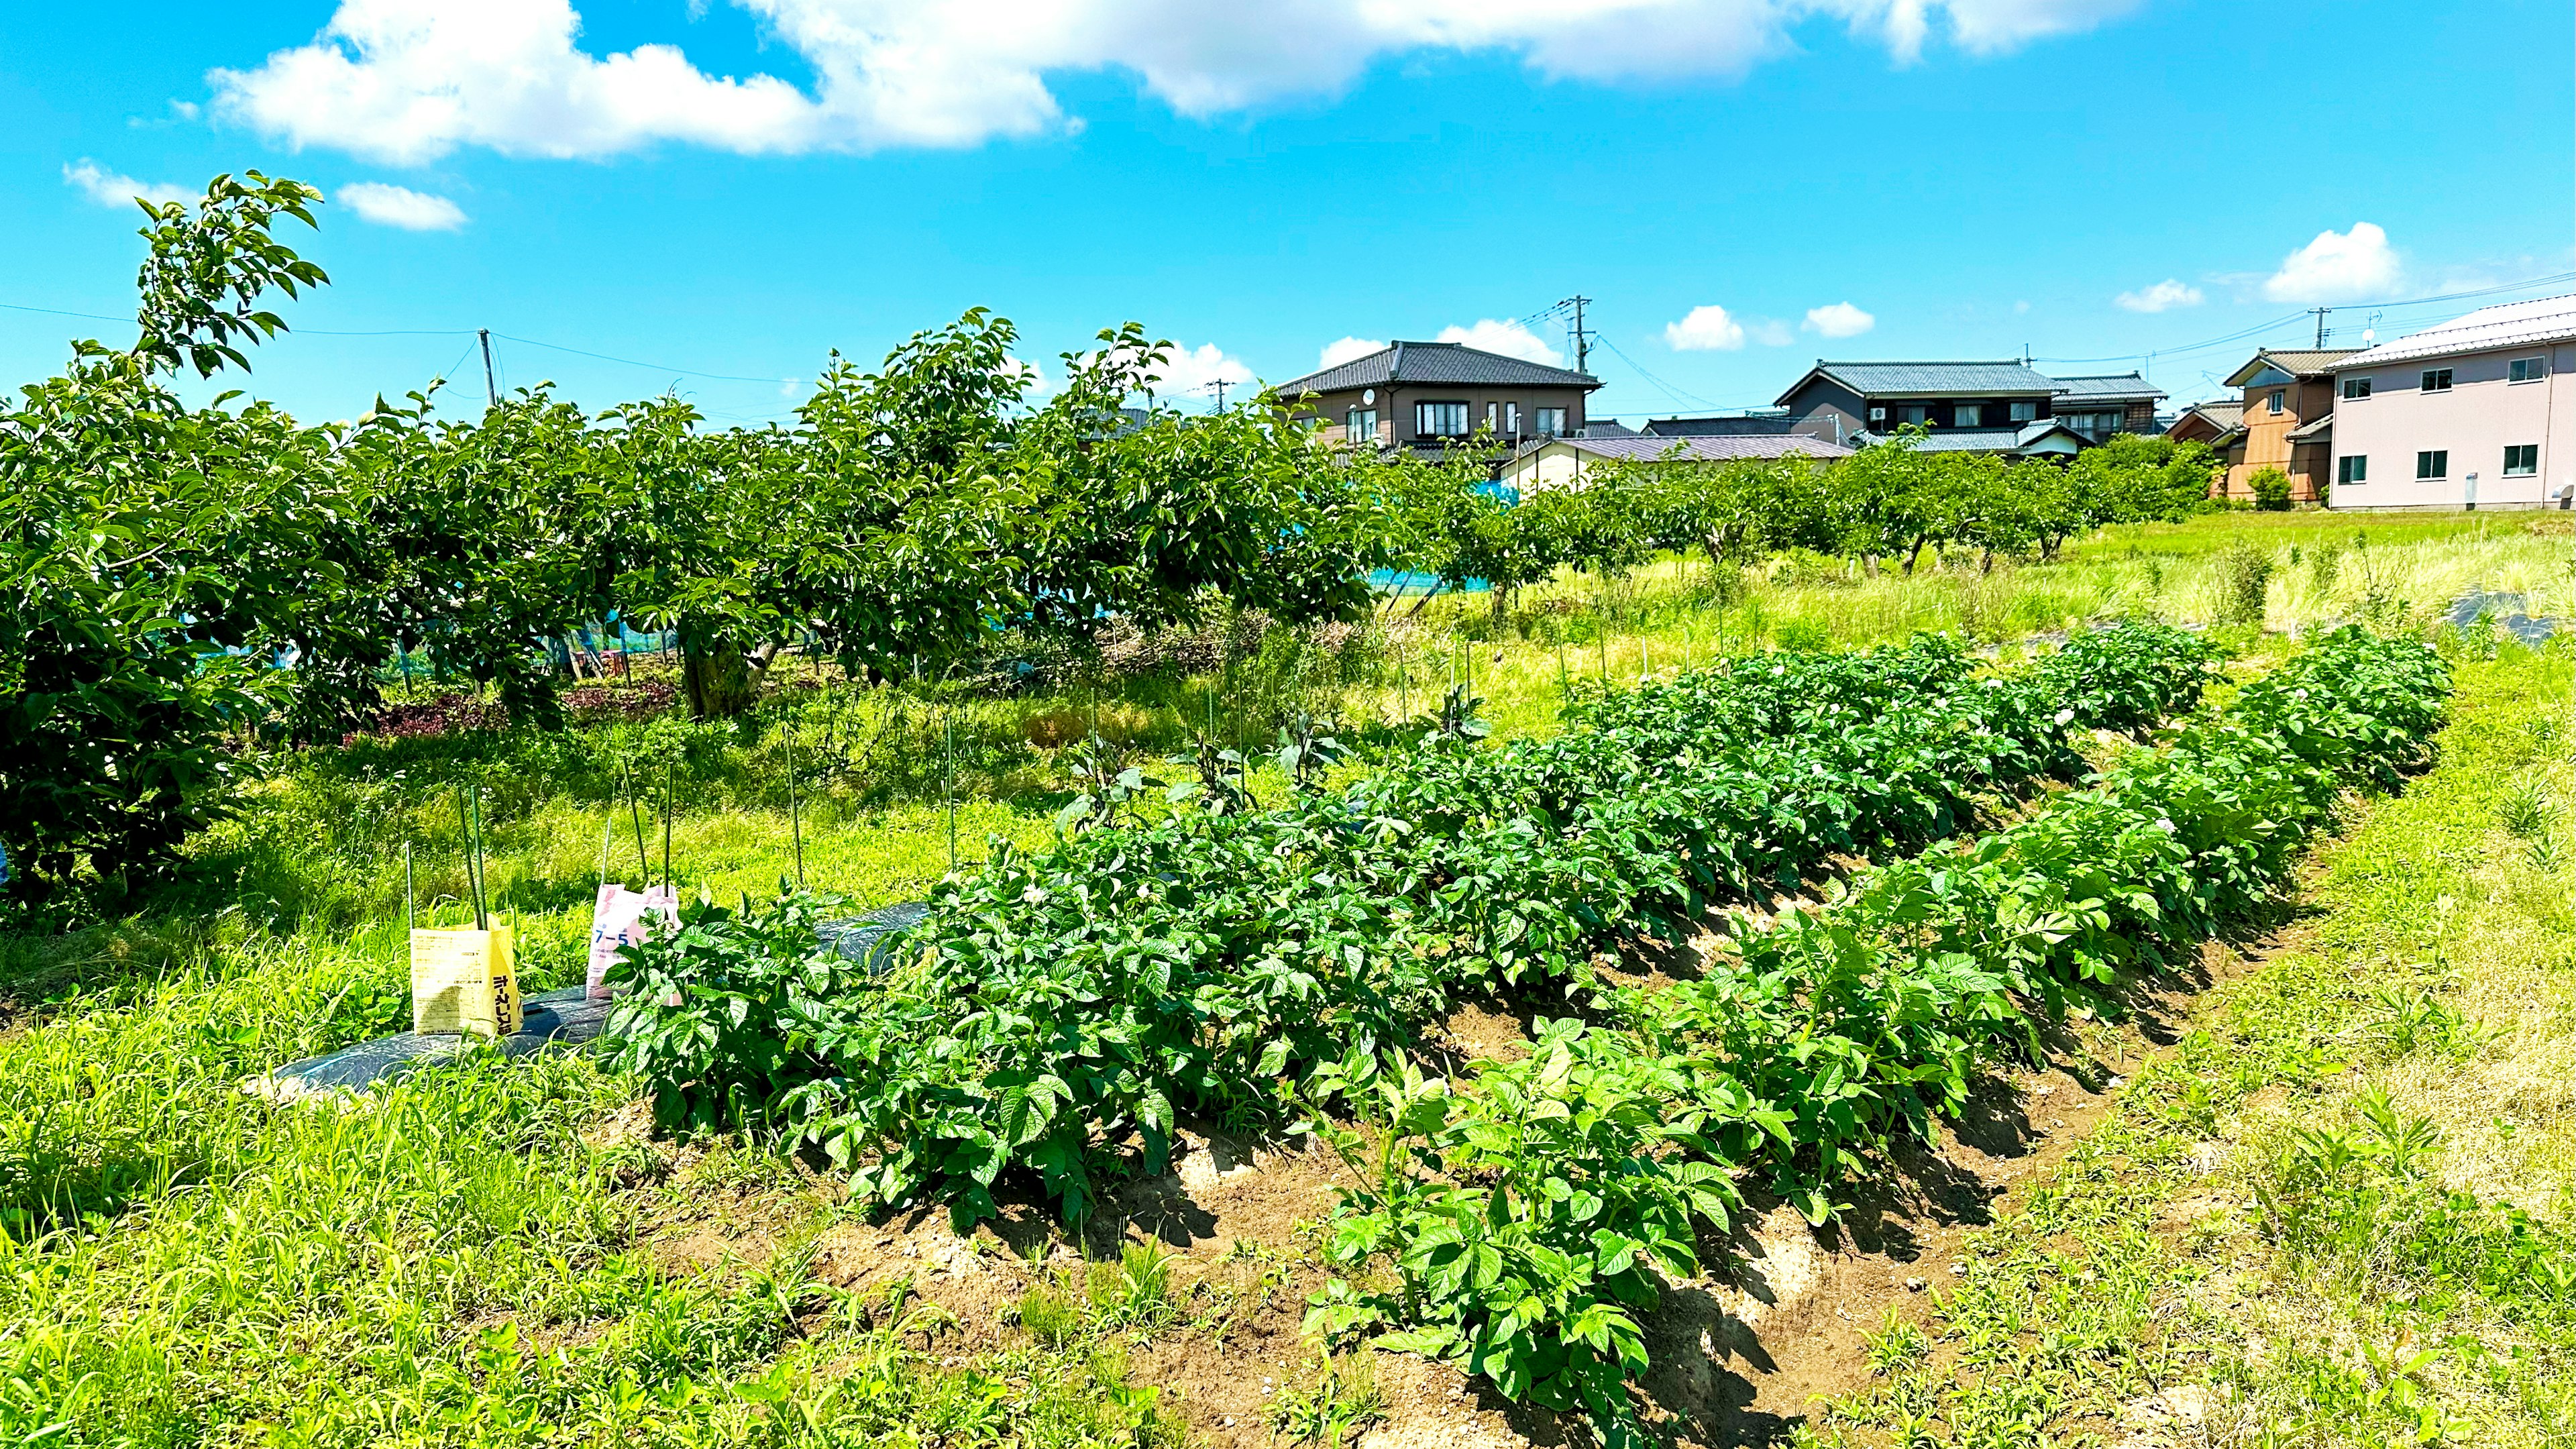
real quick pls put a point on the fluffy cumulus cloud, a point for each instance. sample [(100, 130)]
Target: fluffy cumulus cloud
[(404, 82), (107, 188), (2349, 266), (1511, 339), (2164, 296), (1706, 329), (1842, 319), (1192, 373), (401, 206), (1349, 349)]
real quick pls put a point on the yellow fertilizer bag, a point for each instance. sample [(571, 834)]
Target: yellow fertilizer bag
[(464, 982)]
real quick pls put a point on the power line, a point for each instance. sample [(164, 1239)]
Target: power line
[(630, 362), (1676, 394)]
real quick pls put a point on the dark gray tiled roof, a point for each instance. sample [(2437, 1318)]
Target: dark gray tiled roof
[(1935, 379), (1755, 425), (2112, 387), (1435, 363)]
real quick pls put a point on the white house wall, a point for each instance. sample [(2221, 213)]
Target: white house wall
[(2474, 422)]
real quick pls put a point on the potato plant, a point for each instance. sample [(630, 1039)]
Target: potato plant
[(1070, 1005), (1816, 1040)]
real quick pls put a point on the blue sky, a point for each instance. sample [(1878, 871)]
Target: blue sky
[(727, 190)]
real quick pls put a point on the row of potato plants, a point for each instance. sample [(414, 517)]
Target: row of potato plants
[(1069, 1005), (1523, 1222)]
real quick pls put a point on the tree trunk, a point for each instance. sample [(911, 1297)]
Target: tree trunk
[(1502, 607), (717, 680)]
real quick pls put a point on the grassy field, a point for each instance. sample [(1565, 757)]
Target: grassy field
[(480, 1256)]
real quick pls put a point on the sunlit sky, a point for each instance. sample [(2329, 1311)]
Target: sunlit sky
[(712, 196)]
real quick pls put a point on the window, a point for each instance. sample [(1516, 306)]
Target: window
[(1512, 419), (1440, 419), (2434, 464), (2526, 369), (2352, 470), (1551, 421), (2437, 379), (1914, 415), (2355, 388), (1968, 415), (2521, 460), (1363, 426), (2272, 404), (1493, 417), (2025, 412)]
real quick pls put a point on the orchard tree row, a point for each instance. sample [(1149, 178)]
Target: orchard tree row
[(178, 580)]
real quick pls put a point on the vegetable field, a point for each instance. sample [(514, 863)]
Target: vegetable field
[(1339, 1011)]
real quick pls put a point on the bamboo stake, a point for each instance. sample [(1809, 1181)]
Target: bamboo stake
[(407, 891), (667, 797)]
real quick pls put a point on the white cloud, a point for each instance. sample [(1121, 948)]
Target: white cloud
[(1706, 329), (2337, 267), (2162, 297), (1842, 319), (405, 82), (401, 206), (107, 188), (1511, 339), (1349, 349), (1191, 373), (1771, 332), (1986, 27)]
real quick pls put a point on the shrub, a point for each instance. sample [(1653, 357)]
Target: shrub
[(2244, 578), (2271, 490)]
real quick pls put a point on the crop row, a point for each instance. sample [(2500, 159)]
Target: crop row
[(1072, 1003), (1529, 1218)]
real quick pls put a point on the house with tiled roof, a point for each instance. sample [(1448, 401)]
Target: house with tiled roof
[(2286, 421), (1434, 396), (1994, 399), (2103, 404), (2216, 423)]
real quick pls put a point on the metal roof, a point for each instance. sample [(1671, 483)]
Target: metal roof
[(2321, 427), (2107, 387), (2226, 412), (2306, 362), (1985, 440), (1650, 448), (2488, 329), (2008, 378), (1437, 363)]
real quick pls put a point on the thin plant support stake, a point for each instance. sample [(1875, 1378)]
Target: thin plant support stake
[(466, 814), (635, 812), (795, 819), (407, 891), (948, 777), (667, 877)]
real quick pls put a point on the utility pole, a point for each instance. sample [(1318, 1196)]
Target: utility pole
[(491, 394), (1582, 339), (2321, 324), (1219, 385)]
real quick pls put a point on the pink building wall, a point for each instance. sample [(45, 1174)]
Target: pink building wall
[(2474, 422)]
